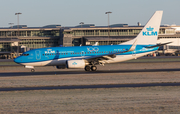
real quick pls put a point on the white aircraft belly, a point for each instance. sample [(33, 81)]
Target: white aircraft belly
[(54, 62), (121, 58), (42, 63), (62, 61)]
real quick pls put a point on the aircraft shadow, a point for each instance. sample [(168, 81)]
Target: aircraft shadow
[(9, 74)]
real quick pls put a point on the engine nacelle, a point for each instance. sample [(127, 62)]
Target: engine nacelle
[(76, 64), (61, 67)]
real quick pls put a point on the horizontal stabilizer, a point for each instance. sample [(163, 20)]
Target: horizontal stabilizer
[(158, 45)]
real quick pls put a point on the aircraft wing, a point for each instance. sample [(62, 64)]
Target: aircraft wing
[(110, 55), (102, 57)]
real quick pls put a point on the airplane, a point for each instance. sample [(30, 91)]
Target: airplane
[(88, 57)]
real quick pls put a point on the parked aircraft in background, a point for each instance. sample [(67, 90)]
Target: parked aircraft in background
[(88, 57)]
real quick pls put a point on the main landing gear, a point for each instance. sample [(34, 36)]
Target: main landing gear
[(92, 68)]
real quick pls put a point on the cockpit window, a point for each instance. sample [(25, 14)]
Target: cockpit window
[(25, 54)]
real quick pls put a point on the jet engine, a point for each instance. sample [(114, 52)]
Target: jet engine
[(75, 64)]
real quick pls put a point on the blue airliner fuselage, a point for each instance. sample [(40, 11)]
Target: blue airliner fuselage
[(45, 54), (58, 56)]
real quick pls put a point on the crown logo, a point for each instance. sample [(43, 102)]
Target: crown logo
[(149, 29), (74, 63)]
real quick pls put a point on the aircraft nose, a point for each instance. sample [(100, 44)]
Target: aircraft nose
[(17, 60)]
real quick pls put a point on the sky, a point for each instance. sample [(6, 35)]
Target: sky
[(38, 13)]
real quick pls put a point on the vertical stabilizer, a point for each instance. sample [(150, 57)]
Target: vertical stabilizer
[(149, 33)]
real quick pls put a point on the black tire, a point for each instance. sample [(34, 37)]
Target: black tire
[(32, 70), (93, 68), (87, 68)]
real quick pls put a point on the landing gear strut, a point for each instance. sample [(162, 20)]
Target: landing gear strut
[(92, 68)]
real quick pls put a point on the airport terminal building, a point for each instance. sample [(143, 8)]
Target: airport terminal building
[(17, 39)]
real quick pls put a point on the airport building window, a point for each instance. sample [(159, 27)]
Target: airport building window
[(162, 31), (5, 47), (103, 32), (2, 33), (114, 32), (39, 43), (174, 47), (22, 33), (25, 33)]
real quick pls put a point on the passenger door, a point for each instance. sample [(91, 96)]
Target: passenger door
[(38, 54)]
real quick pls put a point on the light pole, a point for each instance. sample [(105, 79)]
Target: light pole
[(18, 31), (11, 37), (108, 24), (82, 23)]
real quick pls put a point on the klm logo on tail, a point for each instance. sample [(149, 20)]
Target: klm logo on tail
[(149, 32)]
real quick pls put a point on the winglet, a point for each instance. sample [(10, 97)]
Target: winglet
[(133, 47)]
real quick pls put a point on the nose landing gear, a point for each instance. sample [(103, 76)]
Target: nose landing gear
[(32, 70)]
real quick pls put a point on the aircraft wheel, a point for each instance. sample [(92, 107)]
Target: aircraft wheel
[(32, 70), (87, 68), (93, 68)]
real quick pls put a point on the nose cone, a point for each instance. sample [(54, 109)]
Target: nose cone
[(18, 60)]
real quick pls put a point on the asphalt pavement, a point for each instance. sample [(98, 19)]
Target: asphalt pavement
[(44, 73), (88, 86)]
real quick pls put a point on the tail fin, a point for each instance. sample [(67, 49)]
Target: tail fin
[(149, 33)]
